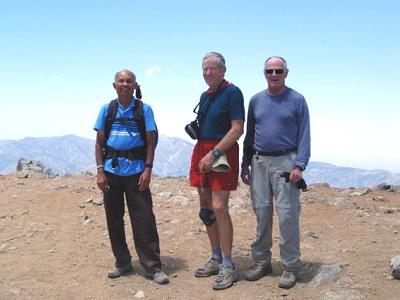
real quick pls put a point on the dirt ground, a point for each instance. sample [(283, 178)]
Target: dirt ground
[(54, 243)]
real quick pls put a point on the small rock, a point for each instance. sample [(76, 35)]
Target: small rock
[(395, 265), (90, 200), (326, 274), (139, 294), (341, 202), (311, 234), (87, 221), (383, 187), (7, 248), (180, 200), (360, 193), (98, 201), (165, 195)]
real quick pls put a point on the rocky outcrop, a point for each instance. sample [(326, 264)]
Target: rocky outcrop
[(25, 166)]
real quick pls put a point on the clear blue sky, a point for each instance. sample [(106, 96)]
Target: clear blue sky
[(58, 58)]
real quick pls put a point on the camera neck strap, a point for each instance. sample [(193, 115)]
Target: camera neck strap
[(202, 109)]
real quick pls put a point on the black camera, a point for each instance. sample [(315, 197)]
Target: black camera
[(193, 129), (301, 185)]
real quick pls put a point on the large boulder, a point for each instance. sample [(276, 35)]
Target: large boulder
[(33, 167)]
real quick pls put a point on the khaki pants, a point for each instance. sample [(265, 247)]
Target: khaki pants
[(266, 185)]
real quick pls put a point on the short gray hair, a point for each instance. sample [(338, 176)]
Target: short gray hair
[(124, 71), (279, 57), (221, 59)]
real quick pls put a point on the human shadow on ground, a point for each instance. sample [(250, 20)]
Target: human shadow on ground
[(170, 265)]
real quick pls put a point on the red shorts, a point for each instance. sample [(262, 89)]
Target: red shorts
[(214, 180)]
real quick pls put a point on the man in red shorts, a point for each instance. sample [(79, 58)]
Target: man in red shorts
[(221, 119)]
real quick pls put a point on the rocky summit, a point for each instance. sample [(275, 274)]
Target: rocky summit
[(54, 243)]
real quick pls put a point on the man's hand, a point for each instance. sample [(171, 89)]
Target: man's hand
[(206, 162), (295, 175), (144, 179), (245, 174), (101, 180)]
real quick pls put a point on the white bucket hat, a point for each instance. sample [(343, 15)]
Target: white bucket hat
[(221, 164)]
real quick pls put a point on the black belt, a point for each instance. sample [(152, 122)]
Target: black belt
[(275, 153)]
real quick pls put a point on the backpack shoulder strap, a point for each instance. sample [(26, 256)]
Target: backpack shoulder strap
[(138, 117), (111, 113)]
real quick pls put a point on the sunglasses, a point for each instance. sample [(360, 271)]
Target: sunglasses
[(271, 71)]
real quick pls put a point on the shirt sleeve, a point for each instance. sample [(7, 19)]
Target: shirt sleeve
[(249, 137), (149, 118), (304, 138), (101, 119), (236, 105)]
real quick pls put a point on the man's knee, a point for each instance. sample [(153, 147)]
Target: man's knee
[(207, 216)]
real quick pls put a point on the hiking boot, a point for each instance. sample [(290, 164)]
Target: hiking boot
[(119, 271), (226, 277), (211, 267), (158, 277), (287, 280), (257, 271)]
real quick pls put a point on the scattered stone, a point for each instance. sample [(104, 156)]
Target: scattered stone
[(82, 205), (3, 222), (90, 200), (311, 234), (7, 248), (139, 294), (326, 274), (26, 167), (360, 193), (98, 201), (87, 221), (383, 187), (180, 200), (395, 265), (51, 251), (341, 202), (348, 294), (165, 195), (379, 198)]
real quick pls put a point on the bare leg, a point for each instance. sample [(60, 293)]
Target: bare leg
[(205, 202), (224, 226)]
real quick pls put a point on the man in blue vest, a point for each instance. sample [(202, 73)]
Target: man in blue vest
[(124, 164), (277, 141)]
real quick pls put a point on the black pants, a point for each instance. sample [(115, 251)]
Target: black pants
[(140, 207)]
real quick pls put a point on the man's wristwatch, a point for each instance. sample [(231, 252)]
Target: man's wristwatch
[(216, 153), (150, 166), (301, 168)]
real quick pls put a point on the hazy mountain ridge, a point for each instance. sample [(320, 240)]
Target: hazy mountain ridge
[(72, 154), (348, 177)]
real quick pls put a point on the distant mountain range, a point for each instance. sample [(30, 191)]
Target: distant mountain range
[(72, 154)]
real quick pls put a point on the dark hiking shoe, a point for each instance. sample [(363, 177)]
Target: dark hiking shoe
[(119, 271), (257, 271), (211, 267), (225, 279), (287, 280), (158, 277)]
